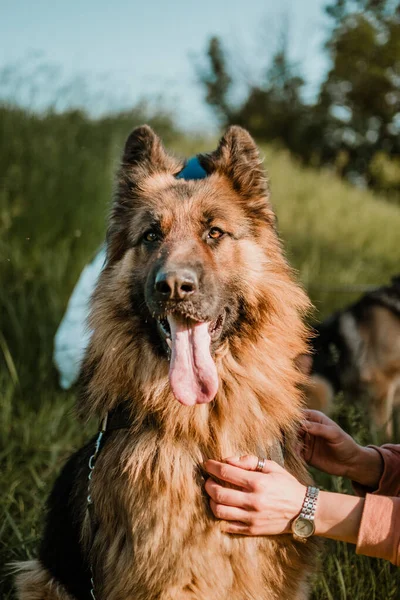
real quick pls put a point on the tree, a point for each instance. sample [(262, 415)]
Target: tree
[(354, 125), (272, 110), (361, 94), (217, 81)]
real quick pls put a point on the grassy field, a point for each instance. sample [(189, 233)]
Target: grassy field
[(56, 181)]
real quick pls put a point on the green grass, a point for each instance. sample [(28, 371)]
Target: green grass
[(56, 182), (337, 236)]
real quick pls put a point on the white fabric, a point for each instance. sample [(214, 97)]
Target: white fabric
[(73, 335)]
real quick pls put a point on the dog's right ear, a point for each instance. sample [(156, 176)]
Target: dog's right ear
[(145, 154), (141, 146)]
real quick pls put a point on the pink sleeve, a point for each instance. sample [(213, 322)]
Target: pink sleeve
[(379, 533), (389, 484)]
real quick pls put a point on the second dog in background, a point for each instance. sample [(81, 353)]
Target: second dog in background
[(357, 351)]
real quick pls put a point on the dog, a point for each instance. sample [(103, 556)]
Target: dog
[(196, 322), (357, 351)]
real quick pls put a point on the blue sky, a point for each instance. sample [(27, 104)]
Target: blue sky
[(128, 50)]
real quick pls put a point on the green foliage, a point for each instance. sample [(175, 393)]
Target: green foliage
[(340, 9), (56, 185), (384, 171), (363, 84), (336, 235), (357, 112), (54, 198), (271, 110), (217, 81), (275, 111)]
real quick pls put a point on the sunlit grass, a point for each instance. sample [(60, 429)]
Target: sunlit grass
[(337, 236)]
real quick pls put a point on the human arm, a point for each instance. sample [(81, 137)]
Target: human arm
[(266, 503)]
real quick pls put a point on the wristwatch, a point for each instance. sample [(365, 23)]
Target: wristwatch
[(303, 526)]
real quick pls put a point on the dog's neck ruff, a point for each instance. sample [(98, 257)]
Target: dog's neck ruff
[(192, 170), (120, 417)]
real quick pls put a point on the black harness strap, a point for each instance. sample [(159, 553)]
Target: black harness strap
[(119, 417)]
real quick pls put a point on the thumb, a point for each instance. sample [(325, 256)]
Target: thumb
[(251, 462)]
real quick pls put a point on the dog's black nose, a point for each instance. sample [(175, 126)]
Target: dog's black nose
[(175, 285)]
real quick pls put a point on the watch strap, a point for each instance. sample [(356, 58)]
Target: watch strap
[(310, 503), (307, 512)]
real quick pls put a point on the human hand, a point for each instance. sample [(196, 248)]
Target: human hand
[(265, 503), (328, 448)]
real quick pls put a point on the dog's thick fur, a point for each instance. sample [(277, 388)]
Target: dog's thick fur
[(152, 535), (357, 351)]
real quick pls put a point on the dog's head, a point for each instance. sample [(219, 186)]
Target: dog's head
[(192, 265)]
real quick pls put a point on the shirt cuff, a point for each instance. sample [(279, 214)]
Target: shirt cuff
[(389, 483), (379, 534)]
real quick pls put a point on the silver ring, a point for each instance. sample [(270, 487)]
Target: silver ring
[(260, 464)]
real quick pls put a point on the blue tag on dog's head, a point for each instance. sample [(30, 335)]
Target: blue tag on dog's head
[(192, 170)]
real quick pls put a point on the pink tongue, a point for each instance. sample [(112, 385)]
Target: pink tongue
[(192, 374)]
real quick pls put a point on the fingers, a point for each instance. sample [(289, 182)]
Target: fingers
[(230, 513), (321, 430), (228, 504), (238, 528), (241, 471), (227, 496), (319, 425), (306, 441), (317, 416), (235, 475), (250, 462)]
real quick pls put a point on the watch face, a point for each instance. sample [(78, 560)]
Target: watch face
[(304, 527)]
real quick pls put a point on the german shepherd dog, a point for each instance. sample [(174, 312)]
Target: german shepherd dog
[(196, 323), (357, 351)]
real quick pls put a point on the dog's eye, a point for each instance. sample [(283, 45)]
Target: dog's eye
[(150, 236), (215, 233)]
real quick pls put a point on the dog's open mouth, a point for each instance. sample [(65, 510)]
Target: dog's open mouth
[(193, 375), (214, 327)]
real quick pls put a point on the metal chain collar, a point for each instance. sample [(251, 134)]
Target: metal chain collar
[(89, 501)]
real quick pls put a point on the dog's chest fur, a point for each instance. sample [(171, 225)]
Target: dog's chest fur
[(157, 538)]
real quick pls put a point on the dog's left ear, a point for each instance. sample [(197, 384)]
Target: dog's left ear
[(145, 153), (237, 157)]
